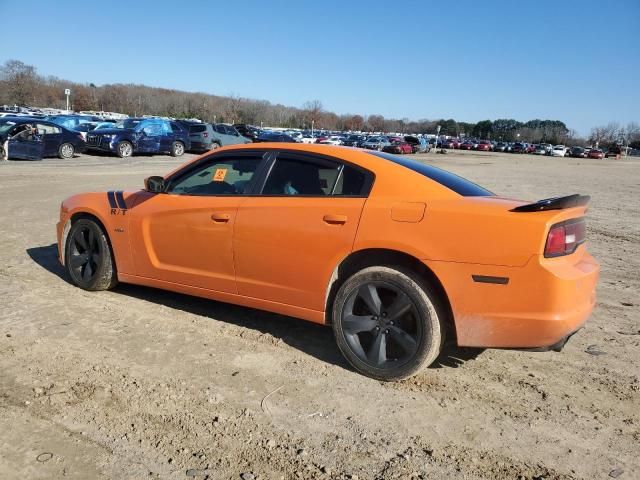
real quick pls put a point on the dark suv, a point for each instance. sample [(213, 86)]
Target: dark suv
[(141, 135)]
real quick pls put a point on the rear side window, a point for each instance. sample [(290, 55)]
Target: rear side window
[(315, 177), (175, 127), (197, 128), (450, 180)]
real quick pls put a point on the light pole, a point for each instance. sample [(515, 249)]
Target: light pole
[(312, 124), (67, 92)]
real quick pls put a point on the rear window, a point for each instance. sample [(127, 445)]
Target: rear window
[(197, 128), (450, 180)]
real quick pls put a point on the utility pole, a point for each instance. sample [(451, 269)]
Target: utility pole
[(67, 92)]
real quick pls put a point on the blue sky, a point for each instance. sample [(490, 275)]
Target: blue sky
[(577, 61)]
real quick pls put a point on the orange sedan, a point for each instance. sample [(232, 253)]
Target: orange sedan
[(395, 255)]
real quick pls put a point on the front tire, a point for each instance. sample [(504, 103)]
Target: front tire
[(386, 323), (66, 151), (88, 257), (177, 149), (124, 149)]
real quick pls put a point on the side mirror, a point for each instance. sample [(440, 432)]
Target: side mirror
[(154, 184)]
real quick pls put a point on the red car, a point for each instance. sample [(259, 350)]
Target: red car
[(451, 143), (466, 146), (595, 153), (398, 146), (484, 146)]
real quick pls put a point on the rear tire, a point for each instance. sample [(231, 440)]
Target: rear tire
[(387, 322), (88, 257), (177, 149), (66, 151)]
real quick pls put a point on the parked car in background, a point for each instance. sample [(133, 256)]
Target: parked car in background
[(376, 143), (35, 139), (84, 128), (352, 140), (613, 151), (595, 153), (500, 147), (267, 136), (332, 140), (540, 150), (451, 143), (200, 135), (72, 121), (466, 145), (224, 135), (307, 138), (577, 152), (418, 144), (247, 131), (484, 146), (547, 147), (398, 146), (558, 151), (141, 135), (519, 147)]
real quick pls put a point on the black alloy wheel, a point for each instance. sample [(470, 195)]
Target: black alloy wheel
[(379, 322), (387, 322), (88, 256)]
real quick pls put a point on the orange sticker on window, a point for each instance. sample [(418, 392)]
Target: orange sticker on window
[(219, 175)]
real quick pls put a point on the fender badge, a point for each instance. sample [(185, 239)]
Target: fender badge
[(119, 229)]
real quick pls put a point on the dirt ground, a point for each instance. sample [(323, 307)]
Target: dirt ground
[(139, 383)]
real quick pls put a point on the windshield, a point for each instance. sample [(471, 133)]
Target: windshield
[(128, 123)]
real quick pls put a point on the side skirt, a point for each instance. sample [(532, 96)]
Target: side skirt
[(313, 316)]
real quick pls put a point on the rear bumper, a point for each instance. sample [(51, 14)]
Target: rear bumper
[(542, 304), (200, 146)]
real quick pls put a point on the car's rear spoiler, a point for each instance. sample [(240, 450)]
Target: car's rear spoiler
[(556, 203)]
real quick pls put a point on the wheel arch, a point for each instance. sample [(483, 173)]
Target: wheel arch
[(369, 257), (80, 214)]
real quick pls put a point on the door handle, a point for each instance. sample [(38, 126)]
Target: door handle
[(335, 219), (220, 217)]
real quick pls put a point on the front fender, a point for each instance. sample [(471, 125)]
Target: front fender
[(111, 210)]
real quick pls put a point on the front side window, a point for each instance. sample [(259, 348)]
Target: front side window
[(220, 176)]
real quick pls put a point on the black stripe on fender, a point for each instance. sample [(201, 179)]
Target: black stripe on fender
[(488, 279), (112, 200), (120, 199)]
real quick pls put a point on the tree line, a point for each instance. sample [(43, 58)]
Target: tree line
[(21, 84)]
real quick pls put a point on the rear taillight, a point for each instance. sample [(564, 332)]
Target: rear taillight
[(564, 238)]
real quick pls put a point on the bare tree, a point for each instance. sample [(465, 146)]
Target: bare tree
[(19, 80), (313, 112)]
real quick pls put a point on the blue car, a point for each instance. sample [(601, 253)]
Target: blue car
[(71, 121), (140, 135), (25, 138)]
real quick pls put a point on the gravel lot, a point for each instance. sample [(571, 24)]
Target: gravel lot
[(140, 383)]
